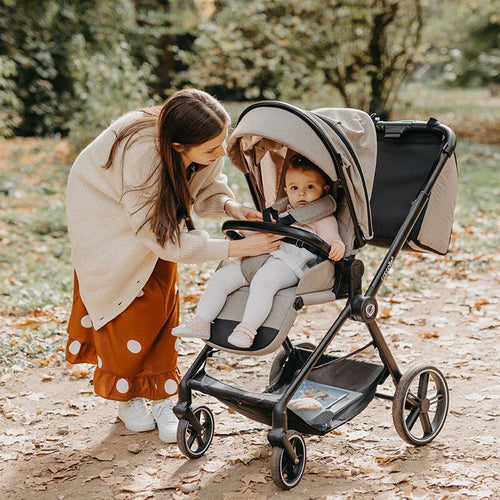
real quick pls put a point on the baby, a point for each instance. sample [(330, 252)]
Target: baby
[(304, 183)]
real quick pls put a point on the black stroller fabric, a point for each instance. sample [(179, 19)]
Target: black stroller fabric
[(403, 165)]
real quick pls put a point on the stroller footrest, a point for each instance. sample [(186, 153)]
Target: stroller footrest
[(208, 385)]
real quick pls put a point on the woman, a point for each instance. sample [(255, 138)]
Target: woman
[(129, 197)]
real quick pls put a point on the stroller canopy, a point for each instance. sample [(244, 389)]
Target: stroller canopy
[(341, 142)]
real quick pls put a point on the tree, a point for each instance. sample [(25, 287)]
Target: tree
[(468, 56), (285, 48), (478, 61), (34, 37), (10, 105), (68, 56), (165, 25)]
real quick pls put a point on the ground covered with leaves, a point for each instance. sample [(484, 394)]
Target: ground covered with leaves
[(58, 440)]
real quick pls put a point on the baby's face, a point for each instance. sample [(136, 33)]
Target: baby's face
[(304, 186)]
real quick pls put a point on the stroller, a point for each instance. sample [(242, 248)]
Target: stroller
[(396, 188)]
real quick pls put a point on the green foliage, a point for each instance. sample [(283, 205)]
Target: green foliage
[(165, 26), (462, 41), (77, 64), (73, 59), (479, 57), (35, 36), (287, 49), (10, 104), (107, 85)]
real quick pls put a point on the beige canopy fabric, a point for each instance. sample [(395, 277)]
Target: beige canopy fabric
[(269, 132)]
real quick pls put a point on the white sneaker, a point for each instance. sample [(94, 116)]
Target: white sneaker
[(165, 420), (136, 416)]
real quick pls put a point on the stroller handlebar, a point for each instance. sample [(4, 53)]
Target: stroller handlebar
[(395, 129), (294, 235)]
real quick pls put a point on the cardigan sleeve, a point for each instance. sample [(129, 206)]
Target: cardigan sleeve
[(213, 194), (140, 176)]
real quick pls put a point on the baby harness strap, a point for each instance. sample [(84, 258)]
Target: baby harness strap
[(303, 215)]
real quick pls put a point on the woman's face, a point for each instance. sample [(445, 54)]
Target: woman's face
[(205, 153)]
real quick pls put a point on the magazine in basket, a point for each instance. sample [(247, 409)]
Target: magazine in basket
[(312, 398)]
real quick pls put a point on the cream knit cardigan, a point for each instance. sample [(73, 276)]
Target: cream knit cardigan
[(112, 261)]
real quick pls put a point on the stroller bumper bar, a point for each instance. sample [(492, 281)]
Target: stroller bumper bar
[(299, 237)]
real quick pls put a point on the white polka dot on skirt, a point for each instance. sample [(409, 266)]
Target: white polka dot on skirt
[(74, 347), (170, 386), (86, 322), (122, 386), (133, 346)]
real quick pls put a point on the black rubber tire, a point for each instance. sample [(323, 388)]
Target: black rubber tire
[(286, 474), (280, 358), (420, 404), (190, 443)]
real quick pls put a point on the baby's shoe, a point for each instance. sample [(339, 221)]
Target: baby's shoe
[(194, 327), (166, 420), (242, 336), (136, 415)]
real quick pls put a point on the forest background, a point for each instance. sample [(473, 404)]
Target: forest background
[(69, 67)]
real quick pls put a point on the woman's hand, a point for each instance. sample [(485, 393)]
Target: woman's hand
[(256, 244), (241, 212), (337, 250)]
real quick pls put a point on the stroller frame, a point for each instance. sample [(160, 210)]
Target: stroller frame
[(196, 426)]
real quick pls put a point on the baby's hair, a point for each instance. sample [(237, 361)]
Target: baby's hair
[(302, 163), (299, 162)]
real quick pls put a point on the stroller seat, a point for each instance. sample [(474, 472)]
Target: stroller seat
[(315, 287)]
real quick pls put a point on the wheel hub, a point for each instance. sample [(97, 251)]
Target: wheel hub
[(425, 405)]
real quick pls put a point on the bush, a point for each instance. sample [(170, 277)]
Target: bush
[(10, 105), (107, 85), (60, 55)]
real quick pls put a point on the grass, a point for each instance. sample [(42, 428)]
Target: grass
[(35, 269)]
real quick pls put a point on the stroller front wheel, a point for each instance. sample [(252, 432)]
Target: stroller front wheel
[(285, 472), (195, 442), (420, 404)]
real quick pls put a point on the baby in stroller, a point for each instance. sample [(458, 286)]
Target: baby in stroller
[(304, 184)]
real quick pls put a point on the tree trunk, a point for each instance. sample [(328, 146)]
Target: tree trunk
[(377, 48)]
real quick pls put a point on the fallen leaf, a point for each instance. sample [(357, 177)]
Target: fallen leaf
[(30, 323), (385, 313), (213, 466), (255, 478), (384, 460), (79, 373), (479, 303), (429, 335)]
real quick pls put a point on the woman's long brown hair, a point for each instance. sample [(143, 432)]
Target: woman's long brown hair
[(189, 117)]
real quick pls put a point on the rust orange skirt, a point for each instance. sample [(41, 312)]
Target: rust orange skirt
[(135, 353)]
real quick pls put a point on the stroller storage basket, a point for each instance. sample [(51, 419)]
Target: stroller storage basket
[(358, 381)]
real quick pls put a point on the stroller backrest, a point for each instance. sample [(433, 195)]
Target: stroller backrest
[(404, 162)]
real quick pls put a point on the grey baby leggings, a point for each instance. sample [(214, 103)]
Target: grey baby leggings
[(271, 277)]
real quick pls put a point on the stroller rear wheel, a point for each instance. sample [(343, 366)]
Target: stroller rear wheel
[(287, 473), (420, 404), (194, 443)]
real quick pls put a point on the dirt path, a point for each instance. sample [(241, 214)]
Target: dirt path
[(59, 441)]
